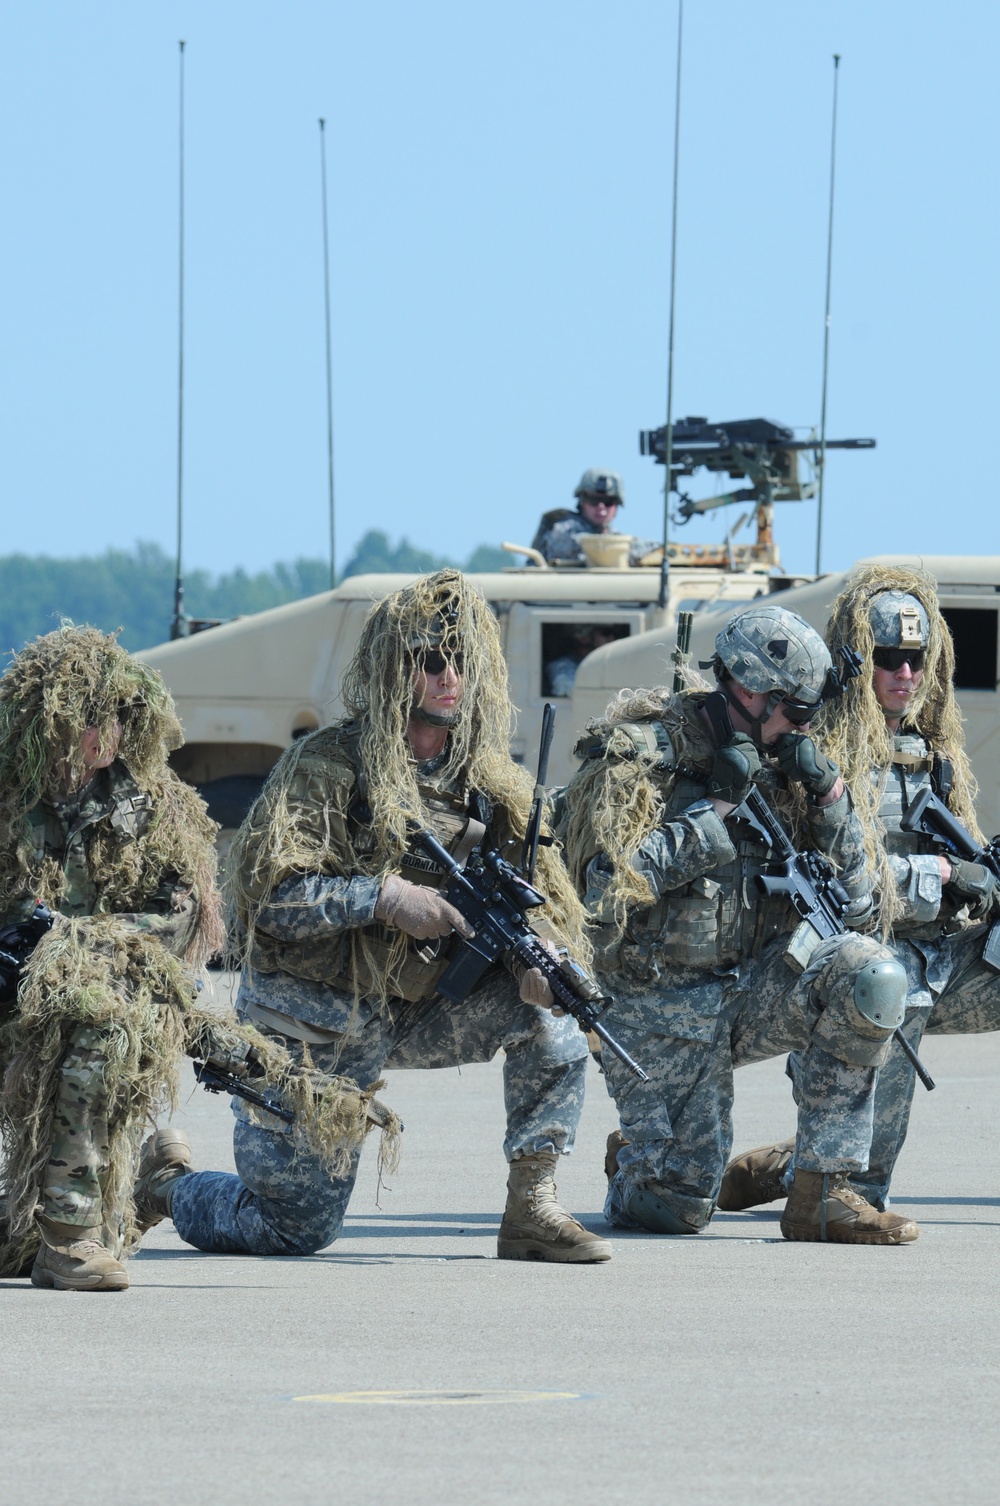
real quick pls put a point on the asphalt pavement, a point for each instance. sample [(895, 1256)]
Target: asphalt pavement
[(407, 1365)]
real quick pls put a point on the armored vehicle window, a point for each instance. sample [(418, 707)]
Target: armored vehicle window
[(566, 644), (974, 630)]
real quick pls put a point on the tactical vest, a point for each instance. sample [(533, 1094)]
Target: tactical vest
[(913, 768), (345, 966), (718, 918)]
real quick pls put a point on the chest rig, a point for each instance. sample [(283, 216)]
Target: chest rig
[(914, 767)]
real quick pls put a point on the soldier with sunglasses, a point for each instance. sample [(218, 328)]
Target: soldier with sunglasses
[(897, 731), (707, 973), (346, 932)]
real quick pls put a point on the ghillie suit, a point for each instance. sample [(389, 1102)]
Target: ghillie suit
[(344, 934), (107, 1004), (853, 729), (306, 819)]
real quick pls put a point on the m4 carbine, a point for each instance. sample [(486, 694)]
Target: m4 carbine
[(494, 897), (806, 879), (928, 814)]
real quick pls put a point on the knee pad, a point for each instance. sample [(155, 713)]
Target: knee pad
[(880, 993), (652, 1213)]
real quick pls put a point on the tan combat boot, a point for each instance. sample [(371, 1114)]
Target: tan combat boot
[(72, 1259), (166, 1155), (534, 1225), (826, 1207), (755, 1177), (615, 1142)]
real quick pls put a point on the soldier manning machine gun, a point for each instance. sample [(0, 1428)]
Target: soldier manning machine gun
[(765, 453)]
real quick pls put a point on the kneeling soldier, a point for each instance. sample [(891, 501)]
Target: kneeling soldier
[(709, 974)]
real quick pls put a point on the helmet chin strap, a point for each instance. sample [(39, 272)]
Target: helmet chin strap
[(432, 718), (755, 723)]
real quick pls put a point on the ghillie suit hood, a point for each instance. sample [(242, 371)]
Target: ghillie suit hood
[(99, 973), (55, 689), (282, 837), (853, 729)]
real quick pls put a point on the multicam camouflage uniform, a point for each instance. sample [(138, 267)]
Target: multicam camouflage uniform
[(61, 832), (702, 984), (297, 987)]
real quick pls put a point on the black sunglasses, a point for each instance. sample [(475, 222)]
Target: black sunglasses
[(797, 712), (433, 662), (895, 658)]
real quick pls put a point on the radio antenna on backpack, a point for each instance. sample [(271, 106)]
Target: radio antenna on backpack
[(668, 456)]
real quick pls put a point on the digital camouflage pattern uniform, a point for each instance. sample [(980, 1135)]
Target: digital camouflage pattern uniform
[(556, 538), (951, 990), (702, 984), (296, 986)]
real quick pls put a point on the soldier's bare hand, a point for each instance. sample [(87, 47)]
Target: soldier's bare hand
[(421, 912)]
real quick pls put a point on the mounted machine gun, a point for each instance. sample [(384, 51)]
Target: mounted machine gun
[(767, 454)]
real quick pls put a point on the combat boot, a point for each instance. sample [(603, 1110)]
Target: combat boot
[(616, 1140), (755, 1177), (165, 1157), (72, 1259), (534, 1225), (824, 1206)]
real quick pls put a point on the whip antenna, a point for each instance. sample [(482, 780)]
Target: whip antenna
[(669, 452), (826, 320), (329, 367), (178, 626)]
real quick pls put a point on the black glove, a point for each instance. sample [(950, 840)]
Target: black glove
[(971, 885), (733, 769), (801, 762)]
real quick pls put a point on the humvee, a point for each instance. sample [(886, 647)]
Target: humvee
[(969, 592), (247, 689)]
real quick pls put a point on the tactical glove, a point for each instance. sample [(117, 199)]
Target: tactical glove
[(733, 769), (535, 987), (801, 762), (419, 911), (972, 886)]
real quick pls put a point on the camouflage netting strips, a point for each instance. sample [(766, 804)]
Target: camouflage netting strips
[(96, 972)]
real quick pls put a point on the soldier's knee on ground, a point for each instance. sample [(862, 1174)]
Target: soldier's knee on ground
[(863, 990)]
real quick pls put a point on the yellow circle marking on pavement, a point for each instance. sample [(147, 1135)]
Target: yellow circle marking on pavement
[(438, 1398)]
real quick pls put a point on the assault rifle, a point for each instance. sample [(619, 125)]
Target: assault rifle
[(17, 942), (807, 880), (928, 814), (494, 897), (217, 1080)]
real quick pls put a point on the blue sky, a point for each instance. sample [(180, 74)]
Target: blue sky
[(499, 194)]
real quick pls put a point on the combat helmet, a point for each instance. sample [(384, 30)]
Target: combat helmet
[(604, 485), (899, 620), (769, 650)]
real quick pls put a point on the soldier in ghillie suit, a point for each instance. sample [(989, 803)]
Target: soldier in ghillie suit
[(345, 931), (707, 974), (895, 733), (94, 825)]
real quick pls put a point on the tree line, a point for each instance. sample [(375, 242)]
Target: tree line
[(133, 589)]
